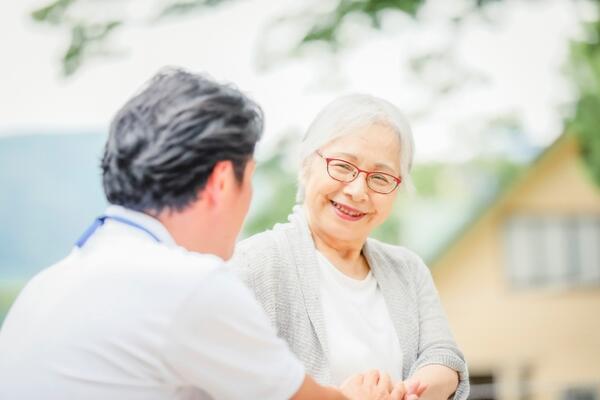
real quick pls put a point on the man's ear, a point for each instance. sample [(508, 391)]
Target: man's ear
[(219, 182)]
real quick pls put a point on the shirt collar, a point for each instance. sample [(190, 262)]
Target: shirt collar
[(145, 220)]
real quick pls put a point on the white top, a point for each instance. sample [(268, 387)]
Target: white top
[(360, 332), (125, 317)]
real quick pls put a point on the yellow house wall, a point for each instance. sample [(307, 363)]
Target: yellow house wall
[(549, 337)]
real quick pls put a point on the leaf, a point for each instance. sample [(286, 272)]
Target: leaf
[(83, 38), (483, 3), (586, 124), (327, 25), (53, 13), (73, 57), (585, 73), (183, 7)]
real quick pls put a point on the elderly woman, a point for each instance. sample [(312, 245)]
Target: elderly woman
[(343, 301)]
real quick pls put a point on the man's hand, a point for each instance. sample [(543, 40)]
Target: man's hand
[(372, 385), (376, 385)]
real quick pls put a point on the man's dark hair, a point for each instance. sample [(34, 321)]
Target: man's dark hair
[(164, 143)]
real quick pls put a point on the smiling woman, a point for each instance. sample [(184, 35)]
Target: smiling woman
[(344, 210), (344, 302)]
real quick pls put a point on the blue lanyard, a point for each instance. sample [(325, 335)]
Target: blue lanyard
[(98, 222)]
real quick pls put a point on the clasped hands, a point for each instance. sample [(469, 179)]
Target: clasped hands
[(376, 385)]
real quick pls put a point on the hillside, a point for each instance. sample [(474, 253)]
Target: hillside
[(50, 190)]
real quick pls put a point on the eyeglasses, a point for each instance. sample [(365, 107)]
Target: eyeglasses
[(344, 171)]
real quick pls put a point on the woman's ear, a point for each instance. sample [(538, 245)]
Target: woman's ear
[(305, 169), (302, 178)]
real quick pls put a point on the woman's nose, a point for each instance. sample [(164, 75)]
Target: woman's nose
[(357, 189)]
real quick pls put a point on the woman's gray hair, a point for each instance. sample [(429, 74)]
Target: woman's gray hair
[(352, 111)]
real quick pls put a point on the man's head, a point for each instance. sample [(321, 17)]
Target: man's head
[(171, 140)]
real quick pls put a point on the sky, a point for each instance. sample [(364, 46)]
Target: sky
[(509, 68)]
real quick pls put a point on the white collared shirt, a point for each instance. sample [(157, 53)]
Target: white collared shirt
[(360, 332), (127, 317)]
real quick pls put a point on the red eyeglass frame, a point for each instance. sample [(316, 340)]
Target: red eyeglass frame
[(397, 179)]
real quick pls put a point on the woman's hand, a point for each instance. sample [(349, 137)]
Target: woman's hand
[(372, 385), (408, 390), (376, 385), (440, 381)]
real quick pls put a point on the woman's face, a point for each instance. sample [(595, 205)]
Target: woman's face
[(350, 211)]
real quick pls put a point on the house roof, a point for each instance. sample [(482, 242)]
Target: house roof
[(501, 194)]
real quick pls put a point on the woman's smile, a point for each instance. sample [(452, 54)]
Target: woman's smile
[(346, 212)]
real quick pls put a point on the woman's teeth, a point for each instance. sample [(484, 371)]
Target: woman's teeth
[(346, 210)]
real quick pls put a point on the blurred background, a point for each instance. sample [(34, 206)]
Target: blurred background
[(504, 101)]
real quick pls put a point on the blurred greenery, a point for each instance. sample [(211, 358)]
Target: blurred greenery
[(87, 35), (88, 32), (584, 70), (277, 186), (8, 292), (66, 166), (445, 192), (465, 185), (327, 25), (177, 8), (53, 13)]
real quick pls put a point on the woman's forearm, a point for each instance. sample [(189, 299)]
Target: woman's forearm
[(441, 381)]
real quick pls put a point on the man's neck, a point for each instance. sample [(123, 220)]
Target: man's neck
[(193, 231)]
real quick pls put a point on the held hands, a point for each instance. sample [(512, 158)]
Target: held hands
[(375, 385), (411, 390)]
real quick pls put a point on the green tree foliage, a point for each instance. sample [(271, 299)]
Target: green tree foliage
[(585, 72), (473, 182), (326, 26), (278, 186), (88, 33), (8, 293)]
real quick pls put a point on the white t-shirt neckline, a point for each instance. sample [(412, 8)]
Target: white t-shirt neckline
[(360, 333), (344, 280)]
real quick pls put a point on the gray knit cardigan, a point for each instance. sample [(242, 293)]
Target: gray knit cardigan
[(280, 266)]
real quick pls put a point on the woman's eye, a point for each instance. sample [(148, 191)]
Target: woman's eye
[(380, 178), (343, 166)]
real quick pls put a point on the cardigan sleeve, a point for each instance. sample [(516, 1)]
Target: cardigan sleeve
[(436, 344), (254, 262)]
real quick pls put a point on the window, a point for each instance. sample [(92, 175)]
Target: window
[(552, 250), (579, 393), (482, 387)]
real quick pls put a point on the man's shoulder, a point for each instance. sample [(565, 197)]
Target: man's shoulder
[(180, 257), (176, 266), (135, 252), (164, 268), (157, 266)]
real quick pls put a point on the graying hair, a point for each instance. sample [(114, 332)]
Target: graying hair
[(344, 114), (164, 143)]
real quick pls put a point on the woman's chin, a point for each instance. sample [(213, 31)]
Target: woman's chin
[(344, 230)]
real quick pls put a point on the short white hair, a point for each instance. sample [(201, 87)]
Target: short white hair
[(348, 112)]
